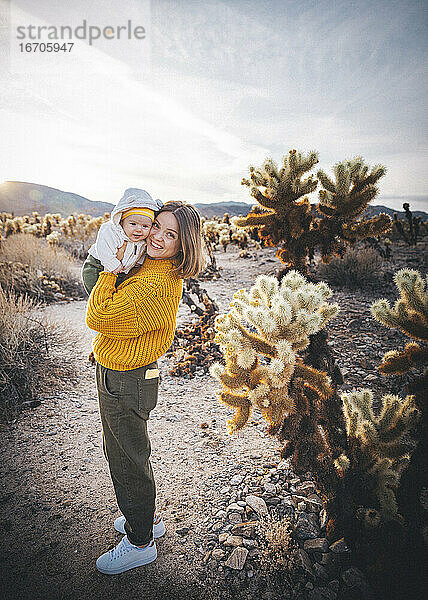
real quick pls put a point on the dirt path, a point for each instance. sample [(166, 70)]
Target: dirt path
[(56, 495)]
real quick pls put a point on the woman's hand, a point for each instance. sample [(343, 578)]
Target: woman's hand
[(121, 252)]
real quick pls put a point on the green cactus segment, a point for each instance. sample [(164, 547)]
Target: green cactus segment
[(260, 339), (383, 451), (288, 220), (410, 315)]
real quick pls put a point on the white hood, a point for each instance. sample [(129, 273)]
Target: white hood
[(134, 198)]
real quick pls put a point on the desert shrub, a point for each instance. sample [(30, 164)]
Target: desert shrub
[(27, 367), (357, 268), (278, 550), (32, 266)]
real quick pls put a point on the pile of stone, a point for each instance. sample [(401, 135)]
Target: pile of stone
[(275, 492)]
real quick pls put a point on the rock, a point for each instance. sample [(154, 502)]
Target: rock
[(274, 501), (237, 559), (237, 480), (220, 514), (307, 526), (306, 487), (218, 554), (313, 506), (298, 499), (257, 504), (249, 543), (316, 545), (223, 537), (183, 531), (323, 518), (354, 578), (301, 507), (339, 547), (321, 593), (216, 527), (305, 562), (224, 490), (233, 540), (334, 585), (269, 488), (234, 517), (234, 507), (247, 529), (331, 562), (320, 571)]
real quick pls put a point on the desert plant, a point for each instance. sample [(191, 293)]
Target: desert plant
[(278, 551), (356, 455), (289, 220), (410, 315), (408, 230), (261, 337), (27, 367), (356, 268), (30, 266)]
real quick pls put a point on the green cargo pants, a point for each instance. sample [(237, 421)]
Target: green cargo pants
[(91, 270), (125, 400)]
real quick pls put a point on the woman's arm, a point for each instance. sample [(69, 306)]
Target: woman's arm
[(128, 312), (113, 312)]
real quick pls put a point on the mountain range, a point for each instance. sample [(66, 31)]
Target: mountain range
[(21, 198)]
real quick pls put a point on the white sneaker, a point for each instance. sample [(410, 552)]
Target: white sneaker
[(126, 556), (158, 526)]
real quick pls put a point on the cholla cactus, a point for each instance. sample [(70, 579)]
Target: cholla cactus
[(345, 199), (288, 219), (410, 315), (410, 233), (261, 337), (288, 213), (382, 449), (53, 239)]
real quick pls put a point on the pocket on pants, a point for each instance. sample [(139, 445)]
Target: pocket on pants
[(147, 394), (110, 382), (141, 389)]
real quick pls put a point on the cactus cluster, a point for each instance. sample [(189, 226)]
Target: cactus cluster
[(80, 229), (378, 450), (289, 220), (410, 315), (410, 228), (225, 232), (261, 338)]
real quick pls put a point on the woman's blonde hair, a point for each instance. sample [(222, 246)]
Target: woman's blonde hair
[(190, 259)]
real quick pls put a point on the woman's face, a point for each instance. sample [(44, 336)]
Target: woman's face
[(163, 240)]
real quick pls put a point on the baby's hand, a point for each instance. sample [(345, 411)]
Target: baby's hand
[(121, 251), (118, 269)]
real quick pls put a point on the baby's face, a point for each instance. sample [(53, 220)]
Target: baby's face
[(136, 227)]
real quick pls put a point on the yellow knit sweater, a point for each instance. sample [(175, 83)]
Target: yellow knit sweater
[(136, 322)]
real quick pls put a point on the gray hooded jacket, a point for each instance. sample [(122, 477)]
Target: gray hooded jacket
[(111, 235)]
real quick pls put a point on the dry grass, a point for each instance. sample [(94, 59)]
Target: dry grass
[(27, 367), (357, 268), (30, 266), (278, 550)]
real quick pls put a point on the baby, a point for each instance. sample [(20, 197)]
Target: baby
[(120, 242)]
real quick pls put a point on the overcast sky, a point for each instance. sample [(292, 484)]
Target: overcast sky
[(228, 84)]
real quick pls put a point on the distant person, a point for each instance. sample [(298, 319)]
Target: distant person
[(136, 324), (120, 243)]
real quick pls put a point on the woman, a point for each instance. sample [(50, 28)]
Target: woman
[(136, 325)]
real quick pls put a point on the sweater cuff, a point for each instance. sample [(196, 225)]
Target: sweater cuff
[(108, 275)]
